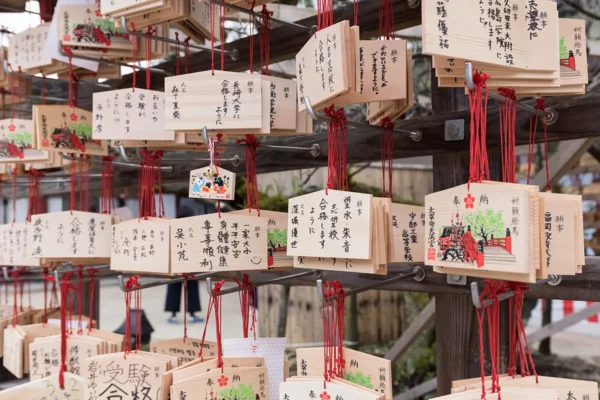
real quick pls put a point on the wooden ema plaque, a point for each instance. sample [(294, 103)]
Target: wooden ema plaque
[(193, 101), (309, 389), (84, 26), (508, 393), (408, 233), (197, 367), (15, 246), (227, 243), (70, 235), (12, 358), (185, 351), (363, 369), (66, 129), (23, 318), (565, 388), (231, 383), (27, 49), (212, 183), (130, 115), (321, 69), (47, 388), (276, 236), (487, 227), (18, 142), (472, 30), (334, 224), (114, 376), (141, 245)]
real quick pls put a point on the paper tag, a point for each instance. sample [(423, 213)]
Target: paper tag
[(17, 142), (227, 243), (66, 129), (70, 234), (141, 245), (272, 349), (212, 183), (130, 115), (330, 224)]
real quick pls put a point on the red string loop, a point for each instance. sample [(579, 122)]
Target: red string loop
[(337, 133), (507, 113), (386, 143), (265, 39), (214, 303), (185, 303), (92, 273), (252, 192), (186, 52), (247, 294), (177, 53), (107, 185), (149, 34), (65, 287), (251, 34), (150, 179), (130, 286), (478, 168)]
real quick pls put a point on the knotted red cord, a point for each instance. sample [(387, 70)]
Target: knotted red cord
[(47, 278), (185, 303), (333, 314), (14, 194), (177, 53), (246, 294), (265, 39), (478, 168), (92, 273), (107, 185), (15, 274), (149, 34), (337, 133), (324, 14), (65, 287), (252, 193), (386, 19), (386, 144), (34, 198), (251, 34), (214, 303), (150, 177), (130, 286), (79, 291), (507, 112)]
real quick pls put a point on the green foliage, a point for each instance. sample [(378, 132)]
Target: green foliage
[(485, 223), (242, 392), (277, 237), (106, 25), (359, 378), (83, 130), (563, 50), (21, 139)]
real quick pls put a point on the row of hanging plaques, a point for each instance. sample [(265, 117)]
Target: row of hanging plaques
[(504, 231), (533, 51)]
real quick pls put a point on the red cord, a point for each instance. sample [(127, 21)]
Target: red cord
[(107, 185), (14, 194), (186, 52), (177, 53), (15, 274), (337, 131), (386, 140), (265, 39), (214, 303), (355, 12), (222, 20), (251, 35), (92, 273), (79, 299), (65, 287), (134, 50), (185, 303), (130, 285), (43, 90), (478, 168), (149, 55)]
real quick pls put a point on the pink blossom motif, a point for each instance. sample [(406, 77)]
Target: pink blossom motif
[(12, 127), (325, 396), (74, 117), (66, 38), (223, 380), (469, 201)]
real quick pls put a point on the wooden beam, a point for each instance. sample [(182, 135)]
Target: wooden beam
[(422, 322), (566, 156), (559, 326), (418, 391)]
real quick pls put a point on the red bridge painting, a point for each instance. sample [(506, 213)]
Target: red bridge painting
[(459, 245)]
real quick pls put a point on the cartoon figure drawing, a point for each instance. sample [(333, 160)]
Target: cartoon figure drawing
[(209, 182), (568, 67), (199, 182)]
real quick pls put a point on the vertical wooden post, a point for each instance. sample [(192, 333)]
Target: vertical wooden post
[(457, 337)]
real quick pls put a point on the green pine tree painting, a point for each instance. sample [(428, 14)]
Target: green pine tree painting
[(241, 392), (359, 378)]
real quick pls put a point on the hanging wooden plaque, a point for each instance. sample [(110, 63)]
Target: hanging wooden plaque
[(276, 236), (84, 25), (140, 245), (47, 388), (212, 183), (18, 142), (15, 247), (231, 383), (484, 227), (70, 234), (12, 358), (321, 70), (32, 332), (198, 367), (226, 243), (474, 30), (66, 129), (130, 376), (110, 7), (408, 233), (508, 393), (27, 48), (309, 389), (330, 224), (130, 115), (572, 52), (193, 101), (44, 355), (282, 100), (185, 350), (368, 371)]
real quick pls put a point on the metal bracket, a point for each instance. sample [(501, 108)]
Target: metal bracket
[(454, 129), (453, 279)]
